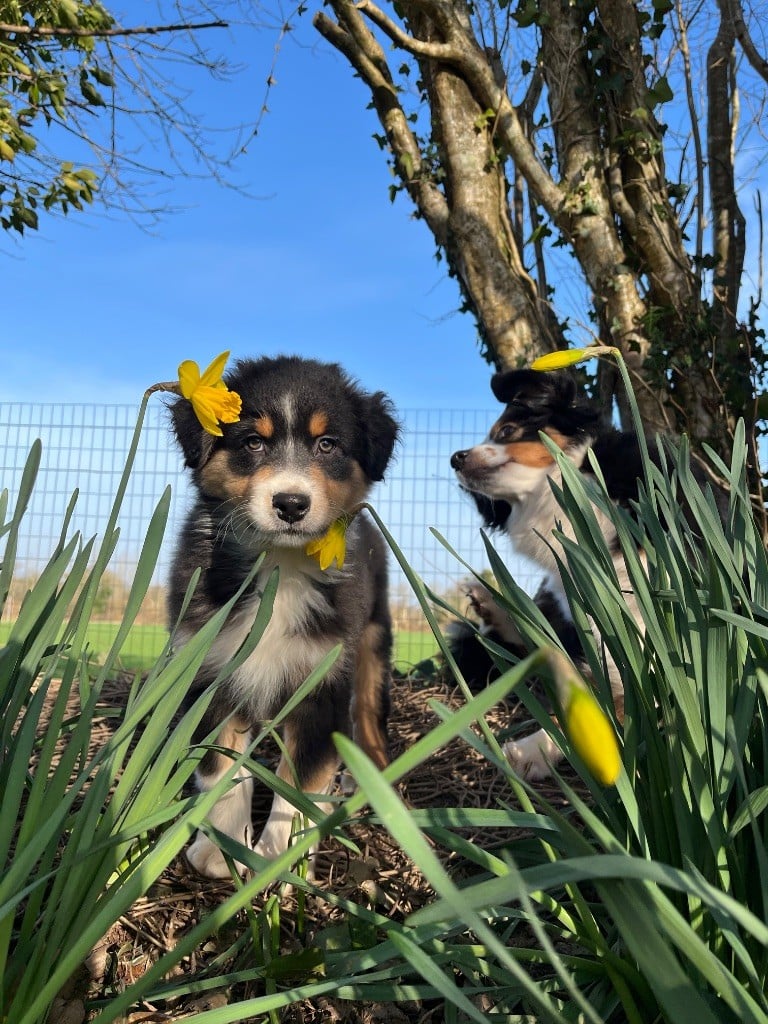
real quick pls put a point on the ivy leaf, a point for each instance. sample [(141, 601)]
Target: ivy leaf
[(527, 13), (661, 92)]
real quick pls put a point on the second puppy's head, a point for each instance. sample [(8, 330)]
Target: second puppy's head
[(509, 464), (307, 448)]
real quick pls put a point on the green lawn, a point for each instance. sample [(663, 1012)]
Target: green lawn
[(411, 648), (140, 650), (144, 644)]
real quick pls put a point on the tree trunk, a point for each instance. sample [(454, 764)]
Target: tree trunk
[(585, 148), (475, 226)]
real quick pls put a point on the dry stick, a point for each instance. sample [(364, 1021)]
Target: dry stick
[(147, 30)]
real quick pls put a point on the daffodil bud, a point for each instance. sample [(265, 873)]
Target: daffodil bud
[(592, 736), (585, 723), (569, 356)]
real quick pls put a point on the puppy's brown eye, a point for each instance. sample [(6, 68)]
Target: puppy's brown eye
[(326, 445), (505, 434), (254, 443)]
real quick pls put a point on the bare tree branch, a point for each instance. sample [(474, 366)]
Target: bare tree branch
[(51, 31), (732, 11), (352, 38), (418, 47), (693, 115)]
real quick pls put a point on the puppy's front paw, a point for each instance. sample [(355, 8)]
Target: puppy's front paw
[(484, 606), (347, 783), (269, 846), (492, 615), (207, 859), (532, 756)]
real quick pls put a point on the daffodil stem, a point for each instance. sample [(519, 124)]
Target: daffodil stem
[(637, 422), (171, 386)]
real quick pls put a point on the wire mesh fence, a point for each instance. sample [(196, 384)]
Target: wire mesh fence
[(84, 450)]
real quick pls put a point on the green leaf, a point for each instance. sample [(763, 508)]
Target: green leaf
[(754, 805), (91, 94), (660, 92), (102, 76)]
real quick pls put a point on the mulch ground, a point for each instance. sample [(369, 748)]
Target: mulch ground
[(453, 777)]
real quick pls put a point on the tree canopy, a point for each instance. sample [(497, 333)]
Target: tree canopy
[(70, 75), (610, 131)]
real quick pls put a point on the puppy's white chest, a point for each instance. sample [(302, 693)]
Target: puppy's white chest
[(289, 649), (533, 521)]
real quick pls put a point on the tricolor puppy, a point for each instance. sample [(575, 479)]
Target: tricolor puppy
[(306, 450), (510, 476)]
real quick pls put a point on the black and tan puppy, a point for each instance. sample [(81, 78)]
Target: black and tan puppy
[(510, 475), (306, 450)]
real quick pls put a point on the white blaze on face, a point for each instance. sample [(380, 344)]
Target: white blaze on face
[(288, 409)]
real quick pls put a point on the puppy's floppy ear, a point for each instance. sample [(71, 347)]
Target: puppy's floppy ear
[(381, 430), (195, 443)]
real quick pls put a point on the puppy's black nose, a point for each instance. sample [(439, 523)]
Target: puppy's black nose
[(458, 459), (290, 507)]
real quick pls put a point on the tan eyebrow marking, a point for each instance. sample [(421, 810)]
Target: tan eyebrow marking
[(264, 426), (318, 424)]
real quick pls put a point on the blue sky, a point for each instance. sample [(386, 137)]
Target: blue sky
[(316, 260), (311, 258)]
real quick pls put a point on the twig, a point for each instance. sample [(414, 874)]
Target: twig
[(47, 31)]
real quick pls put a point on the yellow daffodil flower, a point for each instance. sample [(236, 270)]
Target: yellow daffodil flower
[(588, 728), (569, 356), (211, 399), (592, 736), (332, 546)]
